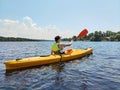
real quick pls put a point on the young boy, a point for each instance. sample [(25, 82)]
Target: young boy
[(57, 48)]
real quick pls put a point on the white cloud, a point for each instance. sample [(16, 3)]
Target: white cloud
[(27, 20), (29, 29), (9, 22)]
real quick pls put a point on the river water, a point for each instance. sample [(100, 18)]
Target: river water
[(99, 71)]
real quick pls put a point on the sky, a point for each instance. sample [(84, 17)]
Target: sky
[(44, 19)]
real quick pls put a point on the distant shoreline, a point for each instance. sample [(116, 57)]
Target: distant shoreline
[(25, 41), (19, 39)]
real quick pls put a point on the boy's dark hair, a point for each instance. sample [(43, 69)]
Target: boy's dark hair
[(57, 38)]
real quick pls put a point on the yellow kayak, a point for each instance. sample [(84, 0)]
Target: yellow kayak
[(42, 60)]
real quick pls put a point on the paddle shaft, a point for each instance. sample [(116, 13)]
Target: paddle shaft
[(81, 34)]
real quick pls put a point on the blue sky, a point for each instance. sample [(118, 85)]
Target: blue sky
[(67, 15)]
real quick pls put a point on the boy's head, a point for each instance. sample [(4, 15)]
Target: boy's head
[(57, 39)]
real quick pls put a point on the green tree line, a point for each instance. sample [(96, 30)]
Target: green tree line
[(17, 39), (99, 36)]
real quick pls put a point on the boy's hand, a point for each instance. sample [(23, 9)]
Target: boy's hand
[(71, 41)]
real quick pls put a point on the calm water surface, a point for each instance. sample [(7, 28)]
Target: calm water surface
[(100, 71)]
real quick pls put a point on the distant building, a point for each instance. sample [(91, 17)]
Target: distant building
[(107, 38)]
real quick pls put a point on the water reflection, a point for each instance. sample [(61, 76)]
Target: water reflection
[(59, 67), (84, 81), (63, 79)]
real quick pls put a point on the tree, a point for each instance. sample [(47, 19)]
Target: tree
[(117, 37), (97, 36), (92, 38), (101, 36), (112, 38), (118, 32)]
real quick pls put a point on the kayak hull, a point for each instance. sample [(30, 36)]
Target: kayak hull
[(42, 60)]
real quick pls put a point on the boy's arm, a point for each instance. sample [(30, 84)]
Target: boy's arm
[(64, 45)]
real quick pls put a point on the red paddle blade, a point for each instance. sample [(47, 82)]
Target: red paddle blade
[(69, 51), (83, 33)]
